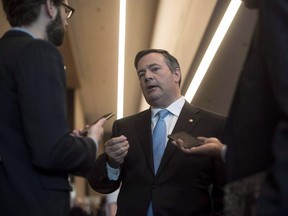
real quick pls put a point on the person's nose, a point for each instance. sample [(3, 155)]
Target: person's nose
[(148, 75)]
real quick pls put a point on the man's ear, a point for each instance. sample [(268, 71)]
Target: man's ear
[(50, 8), (177, 75)]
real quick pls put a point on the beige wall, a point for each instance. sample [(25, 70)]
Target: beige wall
[(4, 26)]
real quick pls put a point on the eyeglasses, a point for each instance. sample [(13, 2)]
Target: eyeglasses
[(68, 10)]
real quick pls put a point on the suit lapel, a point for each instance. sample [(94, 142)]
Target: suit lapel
[(143, 128), (187, 120)]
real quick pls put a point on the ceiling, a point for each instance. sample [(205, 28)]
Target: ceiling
[(183, 27)]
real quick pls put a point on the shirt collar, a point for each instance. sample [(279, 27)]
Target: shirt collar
[(174, 108), (22, 30)]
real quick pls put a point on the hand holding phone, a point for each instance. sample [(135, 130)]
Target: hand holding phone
[(84, 132), (188, 140)]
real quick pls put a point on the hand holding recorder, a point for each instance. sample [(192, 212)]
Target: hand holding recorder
[(85, 131), (201, 146), (95, 130)]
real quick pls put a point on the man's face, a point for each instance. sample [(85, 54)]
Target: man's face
[(56, 30), (158, 83)]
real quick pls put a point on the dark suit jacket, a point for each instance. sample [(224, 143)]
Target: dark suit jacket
[(182, 183), (36, 152), (257, 127)]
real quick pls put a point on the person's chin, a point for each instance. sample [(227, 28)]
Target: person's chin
[(152, 97)]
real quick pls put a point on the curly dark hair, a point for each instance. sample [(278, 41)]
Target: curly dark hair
[(24, 12)]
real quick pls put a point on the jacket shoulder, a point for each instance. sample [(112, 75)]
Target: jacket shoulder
[(204, 112)]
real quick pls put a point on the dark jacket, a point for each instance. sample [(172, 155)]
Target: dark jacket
[(36, 152), (183, 182)]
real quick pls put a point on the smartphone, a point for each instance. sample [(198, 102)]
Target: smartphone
[(84, 132), (189, 140)]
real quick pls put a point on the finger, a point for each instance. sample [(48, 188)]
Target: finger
[(186, 150), (115, 140), (116, 146), (101, 122), (213, 139), (202, 138), (119, 150), (121, 156), (118, 157), (75, 133), (174, 143)]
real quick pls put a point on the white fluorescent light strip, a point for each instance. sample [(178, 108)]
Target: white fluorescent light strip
[(121, 59), (212, 48)]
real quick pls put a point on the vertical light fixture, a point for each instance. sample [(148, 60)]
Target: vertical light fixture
[(121, 59), (212, 48)]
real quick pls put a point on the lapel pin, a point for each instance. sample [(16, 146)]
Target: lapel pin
[(190, 120)]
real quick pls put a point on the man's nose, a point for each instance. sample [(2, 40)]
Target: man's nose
[(148, 75)]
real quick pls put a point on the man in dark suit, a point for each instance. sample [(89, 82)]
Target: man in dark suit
[(182, 185), (256, 133), (37, 151)]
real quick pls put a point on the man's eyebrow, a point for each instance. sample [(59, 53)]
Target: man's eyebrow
[(154, 64), (149, 66)]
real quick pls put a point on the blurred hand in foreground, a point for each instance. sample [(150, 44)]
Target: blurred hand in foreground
[(211, 147)]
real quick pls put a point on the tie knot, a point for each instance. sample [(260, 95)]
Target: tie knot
[(163, 113)]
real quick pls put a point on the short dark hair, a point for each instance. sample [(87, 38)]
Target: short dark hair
[(23, 12), (170, 60)]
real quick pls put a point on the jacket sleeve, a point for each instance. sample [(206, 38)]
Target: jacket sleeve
[(98, 178), (41, 91)]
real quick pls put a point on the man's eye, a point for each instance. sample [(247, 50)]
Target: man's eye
[(154, 69), (141, 74)]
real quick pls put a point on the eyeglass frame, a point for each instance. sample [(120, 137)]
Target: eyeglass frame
[(68, 10)]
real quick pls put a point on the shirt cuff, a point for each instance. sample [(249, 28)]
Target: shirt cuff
[(113, 174)]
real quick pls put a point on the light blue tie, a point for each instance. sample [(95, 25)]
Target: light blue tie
[(159, 138), (159, 141)]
